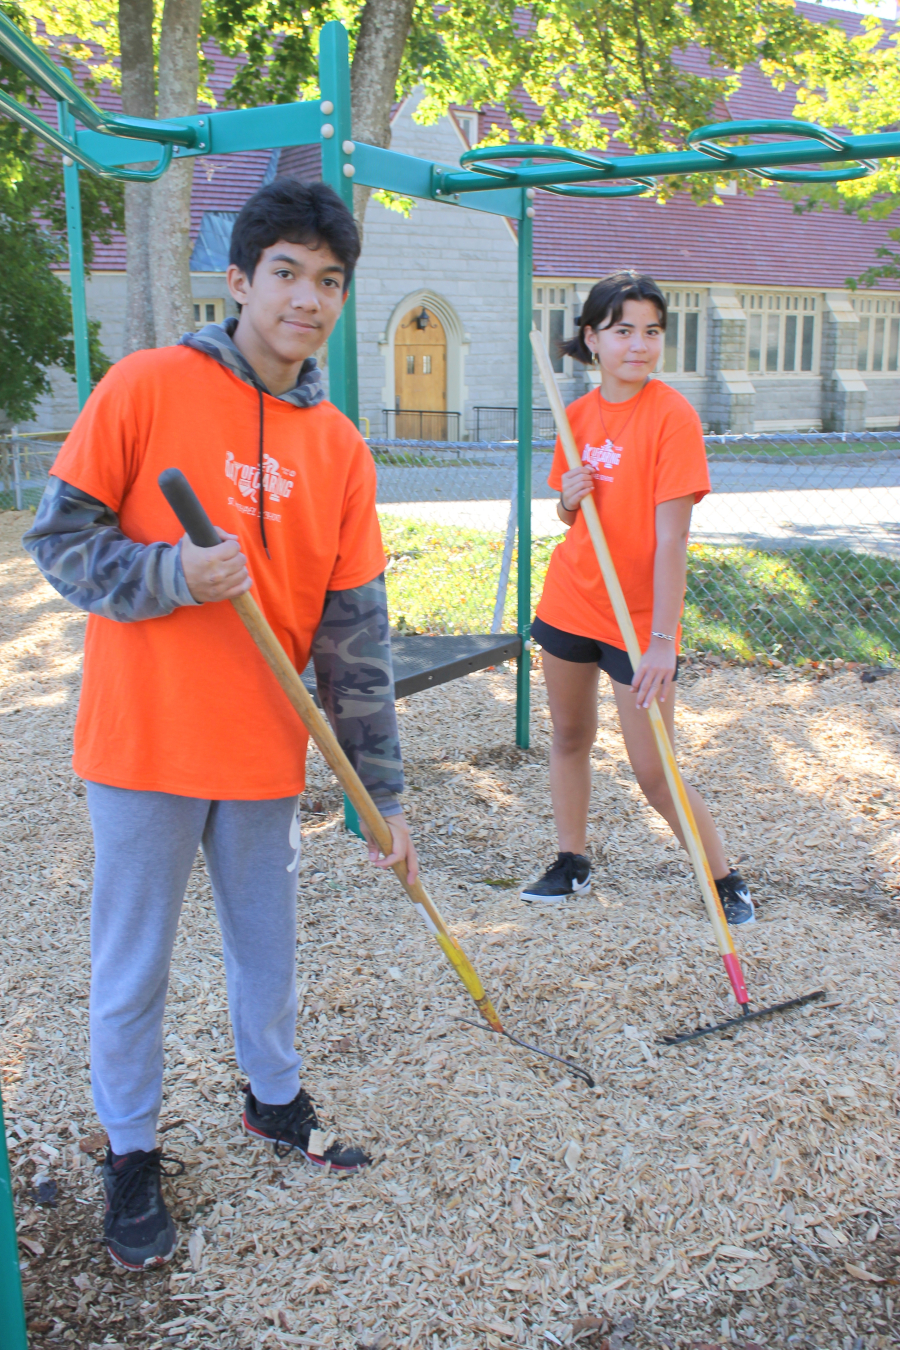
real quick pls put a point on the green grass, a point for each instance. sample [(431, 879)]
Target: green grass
[(31, 497), (794, 605), (817, 450), (791, 606), (421, 459), (442, 579)]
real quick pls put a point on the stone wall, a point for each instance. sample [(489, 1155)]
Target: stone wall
[(105, 294), (844, 391), (786, 401)]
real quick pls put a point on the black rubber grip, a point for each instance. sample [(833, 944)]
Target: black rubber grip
[(186, 504)]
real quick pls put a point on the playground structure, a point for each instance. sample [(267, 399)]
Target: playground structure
[(107, 144)]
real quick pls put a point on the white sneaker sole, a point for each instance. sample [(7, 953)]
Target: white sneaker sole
[(578, 888)]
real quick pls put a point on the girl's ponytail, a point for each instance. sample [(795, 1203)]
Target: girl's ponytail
[(604, 306)]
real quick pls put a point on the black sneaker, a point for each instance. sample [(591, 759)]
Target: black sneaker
[(735, 896), (569, 875), (292, 1126), (137, 1227)]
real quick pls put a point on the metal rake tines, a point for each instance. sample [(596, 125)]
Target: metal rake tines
[(737, 1022), (575, 1069)]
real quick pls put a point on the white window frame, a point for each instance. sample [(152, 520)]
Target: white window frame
[(678, 347), (202, 306), (467, 126), (541, 308), (878, 336), (768, 314)]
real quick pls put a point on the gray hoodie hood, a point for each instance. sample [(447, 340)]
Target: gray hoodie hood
[(216, 340)]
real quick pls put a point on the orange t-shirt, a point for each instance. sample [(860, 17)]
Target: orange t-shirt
[(185, 703), (644, 453)]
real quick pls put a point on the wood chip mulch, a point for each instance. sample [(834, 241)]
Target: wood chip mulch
[(739, 1191)]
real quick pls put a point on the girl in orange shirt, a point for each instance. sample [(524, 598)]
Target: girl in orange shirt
[(644, 460)]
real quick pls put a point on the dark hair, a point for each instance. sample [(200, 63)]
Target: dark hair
[(604, 306), (301, 213)]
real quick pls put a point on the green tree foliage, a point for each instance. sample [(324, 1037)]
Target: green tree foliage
[(594, 68), (35, 309), (853, 84)]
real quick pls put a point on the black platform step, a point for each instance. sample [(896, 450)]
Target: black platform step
[(422, 661)]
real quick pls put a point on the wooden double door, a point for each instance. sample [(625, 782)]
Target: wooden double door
[(420, 377)]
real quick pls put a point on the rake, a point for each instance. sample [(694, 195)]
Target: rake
[(187, 507), (674, 779)]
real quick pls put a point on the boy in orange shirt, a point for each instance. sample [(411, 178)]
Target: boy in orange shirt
[(183, 734), (644, 460)]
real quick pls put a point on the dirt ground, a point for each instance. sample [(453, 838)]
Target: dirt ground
[(736, 1191)]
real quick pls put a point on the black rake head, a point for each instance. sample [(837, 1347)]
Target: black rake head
[(733, 1023)]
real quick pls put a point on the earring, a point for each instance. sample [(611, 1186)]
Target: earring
[(595, 360)]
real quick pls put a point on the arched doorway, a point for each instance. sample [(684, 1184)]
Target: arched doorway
[(420, 378)]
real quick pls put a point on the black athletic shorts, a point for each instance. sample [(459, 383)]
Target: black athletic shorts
[(584, 650)]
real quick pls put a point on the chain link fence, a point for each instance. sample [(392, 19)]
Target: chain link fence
[(25, 463), (794, 556)]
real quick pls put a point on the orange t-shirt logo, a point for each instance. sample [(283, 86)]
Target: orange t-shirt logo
[(278, 482), (663, 458), (605, 456)]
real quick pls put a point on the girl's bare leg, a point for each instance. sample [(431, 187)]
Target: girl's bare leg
[(572, 695), (644, 756)]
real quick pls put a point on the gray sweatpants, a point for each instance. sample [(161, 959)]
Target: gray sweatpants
[(145, 845)]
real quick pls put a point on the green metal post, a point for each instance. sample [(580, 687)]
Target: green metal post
[(12, 1308), (76, 262), (523, 678), (338, 171)]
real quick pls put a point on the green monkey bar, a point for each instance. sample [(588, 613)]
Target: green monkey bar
[(489, 179)]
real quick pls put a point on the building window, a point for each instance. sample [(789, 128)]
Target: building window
[(681, 351), (781, 332), (208, 311), (468, 125), (878, 335), (550, 317)]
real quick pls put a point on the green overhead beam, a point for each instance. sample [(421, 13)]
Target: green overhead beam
[(706, 156), (287, 124), (138, 152), (18, 48), (222, 133), (411, 177)]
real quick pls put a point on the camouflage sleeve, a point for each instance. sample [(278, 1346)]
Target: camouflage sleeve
[(352, 657), (78, 546)]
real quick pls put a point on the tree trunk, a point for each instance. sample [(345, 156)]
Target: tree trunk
[(138, 100), (383, 31), (170, 225)]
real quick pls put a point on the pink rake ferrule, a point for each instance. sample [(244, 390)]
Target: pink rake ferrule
[(736, 976)]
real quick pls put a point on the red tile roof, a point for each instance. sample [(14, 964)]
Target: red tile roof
[(754, 240), (221, 182)]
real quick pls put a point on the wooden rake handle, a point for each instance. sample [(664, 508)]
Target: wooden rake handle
[(199, 528), (695, 848)]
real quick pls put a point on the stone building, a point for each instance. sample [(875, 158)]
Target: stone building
[(764, 332)]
